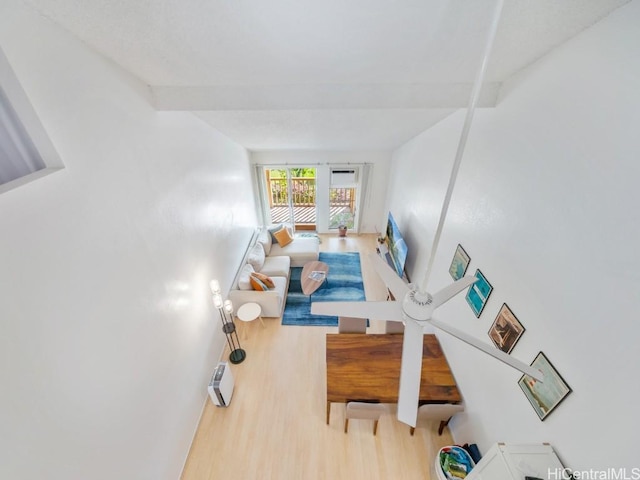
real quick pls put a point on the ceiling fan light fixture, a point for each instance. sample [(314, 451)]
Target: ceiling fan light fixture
[(418, 305)]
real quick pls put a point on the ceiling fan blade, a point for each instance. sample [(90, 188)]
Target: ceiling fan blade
[(371, 310), (410, 373), (489, 349), (452, 290), (390, 278)]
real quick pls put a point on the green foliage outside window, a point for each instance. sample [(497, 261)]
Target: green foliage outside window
[(295, 172)]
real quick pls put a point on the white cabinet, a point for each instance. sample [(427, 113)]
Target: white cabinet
[(515, 462)]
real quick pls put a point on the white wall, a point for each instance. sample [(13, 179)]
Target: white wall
[(371, 220), (108, 333), (545, 205)]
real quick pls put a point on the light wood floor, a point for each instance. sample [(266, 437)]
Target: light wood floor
[(275, 426)]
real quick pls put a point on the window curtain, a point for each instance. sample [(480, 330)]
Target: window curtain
[(365, 189), (262, 195)]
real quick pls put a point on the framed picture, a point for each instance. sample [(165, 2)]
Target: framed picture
[(544, 396), (459, 263), (478, 293), (506, 330)]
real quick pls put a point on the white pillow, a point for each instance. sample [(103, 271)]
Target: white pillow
[(289, 227), (265, 239), (244, 282), (256, 257)]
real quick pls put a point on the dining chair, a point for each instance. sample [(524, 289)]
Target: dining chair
[(437, 411), (352, 325), (364, 411)]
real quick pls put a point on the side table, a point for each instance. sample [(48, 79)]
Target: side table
[(248, 313)]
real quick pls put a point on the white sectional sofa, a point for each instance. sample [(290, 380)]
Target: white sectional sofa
[(267, 257)]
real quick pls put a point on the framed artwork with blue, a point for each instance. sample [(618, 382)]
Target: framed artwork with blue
[(544, 396), (459, 263), (478, 293)]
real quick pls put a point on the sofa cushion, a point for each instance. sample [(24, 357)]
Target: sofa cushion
[(276, 266), (283, 237), (300, 251), (268, 281), (281, 285), (265, 239), (244, 279), (256, 257)]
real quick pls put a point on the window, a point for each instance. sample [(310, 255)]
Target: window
[(26, 153), (18, 154)]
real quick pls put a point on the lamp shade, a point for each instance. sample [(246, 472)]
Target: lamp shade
[(215, 286), (217, 300), (228, 306)]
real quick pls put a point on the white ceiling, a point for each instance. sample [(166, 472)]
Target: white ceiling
[(322, 75)]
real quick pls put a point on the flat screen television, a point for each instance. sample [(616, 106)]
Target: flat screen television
[(397, 246)]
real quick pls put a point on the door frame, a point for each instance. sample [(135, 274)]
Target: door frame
[(265, 194), (323, 184)]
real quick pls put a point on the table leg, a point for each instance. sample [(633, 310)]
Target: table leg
[(261, 321), (328, 411)]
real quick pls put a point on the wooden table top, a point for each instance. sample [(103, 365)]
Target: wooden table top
[(367, 367), (309, 285)]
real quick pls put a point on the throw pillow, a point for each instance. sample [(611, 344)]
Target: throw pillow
[(265, 239), (268, 281), (257, 284), (289, 228), (256, 257), (244, 282), (283, 237), (272, 231)]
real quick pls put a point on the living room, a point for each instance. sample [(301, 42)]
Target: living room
[(110, 335)]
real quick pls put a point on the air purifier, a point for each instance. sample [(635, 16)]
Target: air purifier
[(221, 385)]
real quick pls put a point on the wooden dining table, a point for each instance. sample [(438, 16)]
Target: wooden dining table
[(366, 367)]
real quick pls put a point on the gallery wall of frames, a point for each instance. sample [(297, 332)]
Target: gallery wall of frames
[(505, 331)]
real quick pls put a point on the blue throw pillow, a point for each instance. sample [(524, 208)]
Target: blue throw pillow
[(273, 230)]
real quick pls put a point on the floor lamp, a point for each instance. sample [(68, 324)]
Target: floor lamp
[(225, 309)]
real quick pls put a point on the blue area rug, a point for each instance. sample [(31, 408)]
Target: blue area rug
[(344, 285)]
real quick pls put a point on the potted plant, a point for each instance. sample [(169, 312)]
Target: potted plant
[(344, 221)]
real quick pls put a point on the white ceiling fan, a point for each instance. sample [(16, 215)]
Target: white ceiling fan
[(415, 306)]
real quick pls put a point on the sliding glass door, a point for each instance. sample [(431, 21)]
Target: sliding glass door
[(320, 198), (342, 207), (346, 190), (291, 196)]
